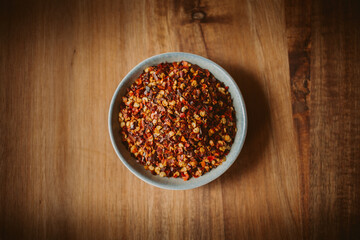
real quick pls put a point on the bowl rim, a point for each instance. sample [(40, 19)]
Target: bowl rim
[(126, 79)]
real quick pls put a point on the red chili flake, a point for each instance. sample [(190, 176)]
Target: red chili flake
[(185, 176), (178, 120), (138, 81), (207, 73)]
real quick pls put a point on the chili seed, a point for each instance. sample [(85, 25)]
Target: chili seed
[(184, 108), (211, 132), (227, 138)]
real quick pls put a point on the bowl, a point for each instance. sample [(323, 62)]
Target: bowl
[(177, 183)]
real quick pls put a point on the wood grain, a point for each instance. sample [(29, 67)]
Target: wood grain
[(335, 121), (298, 31), (297, 64)]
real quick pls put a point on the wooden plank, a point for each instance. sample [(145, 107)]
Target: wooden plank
[(298, 31), (335, 121)]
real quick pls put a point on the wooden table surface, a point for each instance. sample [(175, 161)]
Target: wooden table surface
[(297, 63)]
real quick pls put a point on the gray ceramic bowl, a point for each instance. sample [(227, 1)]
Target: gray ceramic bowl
[(177, 183)]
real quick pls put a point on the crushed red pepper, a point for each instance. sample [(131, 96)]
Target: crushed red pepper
[(178, 120)]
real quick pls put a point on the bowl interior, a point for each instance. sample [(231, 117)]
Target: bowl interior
[(172, 183)]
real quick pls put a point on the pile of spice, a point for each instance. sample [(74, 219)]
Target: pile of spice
[(177, 119)]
